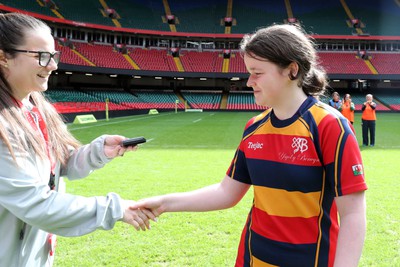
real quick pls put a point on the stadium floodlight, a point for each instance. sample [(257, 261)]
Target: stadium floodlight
[(158, 78), (203, 79), (113, 75), (386, 81), (235, 79), (180, 78), (68, 72), (137, 77), (88, 74)]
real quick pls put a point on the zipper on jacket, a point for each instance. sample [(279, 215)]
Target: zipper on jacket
[(22, 233)]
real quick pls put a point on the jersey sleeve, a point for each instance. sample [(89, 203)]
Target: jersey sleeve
[(238, 169), (341, 156)]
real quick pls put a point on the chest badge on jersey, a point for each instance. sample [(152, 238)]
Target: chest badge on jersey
[(299, 144)]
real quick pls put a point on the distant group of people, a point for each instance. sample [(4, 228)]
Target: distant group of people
[(368, 118)]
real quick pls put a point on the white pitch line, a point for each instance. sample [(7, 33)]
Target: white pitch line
[(197, 120), (120, 121)]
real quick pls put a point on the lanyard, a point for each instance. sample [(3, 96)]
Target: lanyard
[(36, 121)]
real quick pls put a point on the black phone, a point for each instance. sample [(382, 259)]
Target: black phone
[(133, 141)]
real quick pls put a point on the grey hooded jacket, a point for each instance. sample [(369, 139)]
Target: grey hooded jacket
[(29, 210)]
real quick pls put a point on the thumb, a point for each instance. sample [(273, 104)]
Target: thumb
[(137, 205)]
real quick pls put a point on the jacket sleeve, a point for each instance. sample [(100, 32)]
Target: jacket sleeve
[(85, 159), (25, 193)]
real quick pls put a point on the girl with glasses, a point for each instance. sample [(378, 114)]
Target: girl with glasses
[(36, 149)]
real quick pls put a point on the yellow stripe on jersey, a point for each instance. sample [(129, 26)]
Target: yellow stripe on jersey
[(286, 203), (297, 128), (317, 114), (259, 263), (337, 155)]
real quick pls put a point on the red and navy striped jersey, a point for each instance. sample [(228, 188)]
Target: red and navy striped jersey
[(297, 167)]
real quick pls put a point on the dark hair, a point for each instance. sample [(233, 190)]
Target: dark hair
[(284, 44), (13, 29)]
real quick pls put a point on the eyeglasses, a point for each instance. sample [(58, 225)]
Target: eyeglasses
[(44, 57)]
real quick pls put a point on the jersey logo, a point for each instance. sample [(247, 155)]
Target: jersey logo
[(357, 169), (299, 144), (255, 146)]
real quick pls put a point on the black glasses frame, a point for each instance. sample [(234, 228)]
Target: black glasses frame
[(47, 56)]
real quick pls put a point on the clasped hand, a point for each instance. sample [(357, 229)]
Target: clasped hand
[(138, 218)]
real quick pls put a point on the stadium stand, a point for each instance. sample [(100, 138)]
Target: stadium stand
[(89, 100), (211, 61), (252, 12), (153, 59), (343, 62), (69, 57), (242, 101), (103, 55), (386, 63), (339, 22), (318, 17), (140, 14), (236, 63), (33, 6), (380, 17), (83, 11), (203, 100), (198, 16), (206, 61), (391, 100)]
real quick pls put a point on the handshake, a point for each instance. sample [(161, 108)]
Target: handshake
[(139, 214)]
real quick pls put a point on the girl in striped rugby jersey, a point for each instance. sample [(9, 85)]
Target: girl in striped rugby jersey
[(301, 157)]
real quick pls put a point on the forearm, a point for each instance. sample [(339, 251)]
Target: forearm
[(214, 197), (350, 240), (204, 199), (84, 160)]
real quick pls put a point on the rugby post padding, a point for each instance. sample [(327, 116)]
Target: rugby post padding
[(81, 119)]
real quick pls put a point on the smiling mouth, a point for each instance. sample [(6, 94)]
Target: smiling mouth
[(43, 76)]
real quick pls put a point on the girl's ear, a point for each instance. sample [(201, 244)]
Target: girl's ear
[(3, 59), (293, 70)]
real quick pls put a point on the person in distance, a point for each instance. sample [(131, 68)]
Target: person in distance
[(368, 120), (36, 149), (301, 157), (347, 108), (335, 100)]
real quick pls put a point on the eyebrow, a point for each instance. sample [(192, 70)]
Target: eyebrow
[(254, 69)]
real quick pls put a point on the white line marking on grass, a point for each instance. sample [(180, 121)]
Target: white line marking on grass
[(120, 121), (197, 120)]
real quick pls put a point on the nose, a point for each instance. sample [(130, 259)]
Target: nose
[(52, 65), (250, 81)]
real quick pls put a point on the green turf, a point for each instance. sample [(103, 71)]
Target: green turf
[(190, 150)]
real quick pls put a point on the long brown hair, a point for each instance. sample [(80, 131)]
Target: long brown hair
[(15, 131), (284, 44)]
